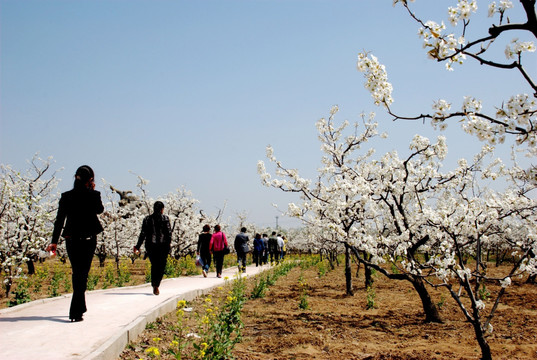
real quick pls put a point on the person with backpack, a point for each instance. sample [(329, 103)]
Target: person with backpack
[(157, 235)]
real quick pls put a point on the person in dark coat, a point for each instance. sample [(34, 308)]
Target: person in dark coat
[(204, 251), (266, 249), (273, 248), (157, 235), (242, 249), (77, 217), (259, 249)]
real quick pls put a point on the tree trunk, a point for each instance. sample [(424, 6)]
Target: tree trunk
[(7, 286), (348, 270), (31, 267), (483, 344), (367, 271), (429, 307), (330, 260), (102, 259)]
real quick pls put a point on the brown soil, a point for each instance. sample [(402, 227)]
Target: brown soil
[(336, 326)]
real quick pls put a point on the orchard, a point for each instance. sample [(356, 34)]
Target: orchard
[(465, 230), (405, 217)]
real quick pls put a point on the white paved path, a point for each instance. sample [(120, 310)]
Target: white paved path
[(41, 330)]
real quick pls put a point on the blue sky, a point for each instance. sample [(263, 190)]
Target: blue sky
[(189, 93)]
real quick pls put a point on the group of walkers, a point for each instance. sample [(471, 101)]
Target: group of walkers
[(77, 222), (267, 249), (215, 245)]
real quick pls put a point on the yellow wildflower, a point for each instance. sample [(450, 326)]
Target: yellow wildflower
[(152, 351)]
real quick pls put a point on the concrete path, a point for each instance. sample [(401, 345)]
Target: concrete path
[(41, 329)]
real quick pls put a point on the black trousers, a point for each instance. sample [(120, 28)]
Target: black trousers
[(258, 257), (274, 256), (218, 257), (80, 252), (158, 255)]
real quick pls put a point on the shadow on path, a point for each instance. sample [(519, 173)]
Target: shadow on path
[(61, 319), (128, 294)]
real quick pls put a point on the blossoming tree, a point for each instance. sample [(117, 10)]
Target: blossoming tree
[(363, 203), (27, 208), (411, 221)]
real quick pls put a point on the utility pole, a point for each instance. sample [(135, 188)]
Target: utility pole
[(276, 223)]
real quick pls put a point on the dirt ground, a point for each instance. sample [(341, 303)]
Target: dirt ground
[(336, 326)]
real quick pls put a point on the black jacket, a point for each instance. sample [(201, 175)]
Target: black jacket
[(78, 211), (204, 242), (156, 232)]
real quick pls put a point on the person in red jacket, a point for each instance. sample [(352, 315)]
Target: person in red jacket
[(218, 248), (77, 217)]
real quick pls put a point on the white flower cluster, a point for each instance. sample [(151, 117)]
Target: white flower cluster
[(376, 79), (480, 305), (441, 46), (471, 105), (441, 110), (505, 282), (462, 11), (514, 49), (499, 8)]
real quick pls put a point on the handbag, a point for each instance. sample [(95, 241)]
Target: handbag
[(225, 250), (199, 261)]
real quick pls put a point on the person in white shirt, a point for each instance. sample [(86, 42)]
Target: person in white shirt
[(281, 244)]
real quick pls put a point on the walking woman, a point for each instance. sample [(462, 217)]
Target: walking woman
[(77, 210), (218, 248), (204, 242)]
